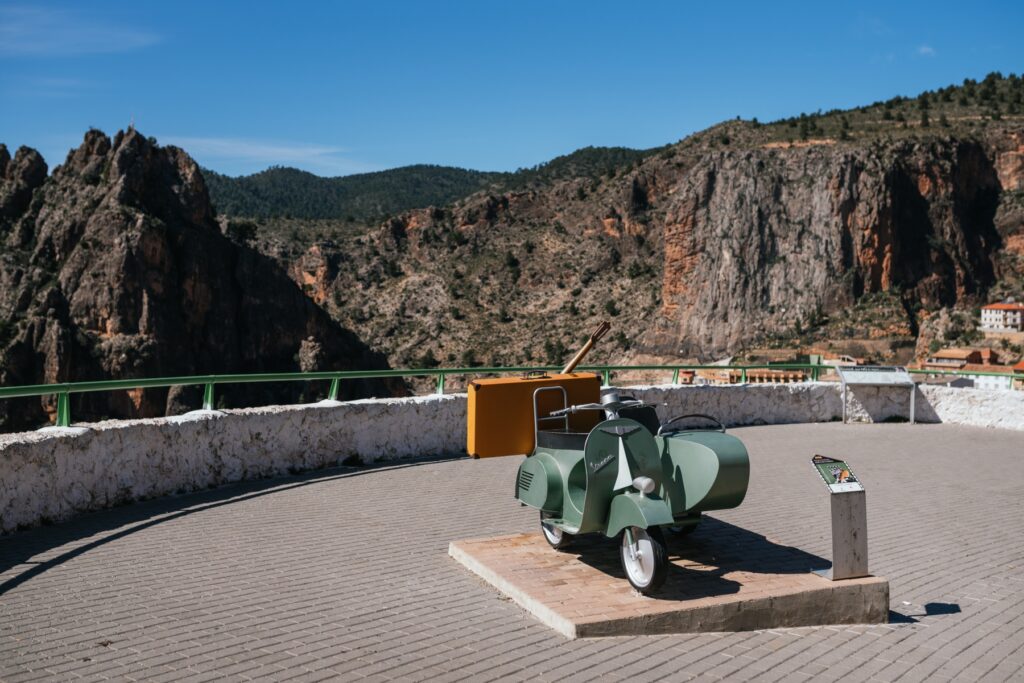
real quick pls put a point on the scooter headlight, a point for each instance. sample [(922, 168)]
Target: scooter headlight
[(643, 484)]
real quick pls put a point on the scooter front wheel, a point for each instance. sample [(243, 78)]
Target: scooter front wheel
[(645, 560), (555, 537)]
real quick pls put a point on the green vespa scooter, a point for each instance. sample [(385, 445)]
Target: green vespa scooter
[(629, 475)]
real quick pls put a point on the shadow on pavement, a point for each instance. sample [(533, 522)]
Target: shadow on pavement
[(702, 560), (17, 550), (931, 609)]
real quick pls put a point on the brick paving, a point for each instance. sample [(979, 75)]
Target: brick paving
[(344, 574)]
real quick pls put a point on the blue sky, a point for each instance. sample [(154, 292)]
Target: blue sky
[(344, 87)]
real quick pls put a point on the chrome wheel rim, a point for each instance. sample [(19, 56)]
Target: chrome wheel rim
[(552, 533), (638, 558)]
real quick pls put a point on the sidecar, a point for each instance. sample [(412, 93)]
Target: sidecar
[(629, 475)]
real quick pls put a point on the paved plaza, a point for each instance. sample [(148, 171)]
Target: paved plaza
[(344, 574)]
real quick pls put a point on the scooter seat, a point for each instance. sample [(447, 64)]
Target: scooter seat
[(562, 440)]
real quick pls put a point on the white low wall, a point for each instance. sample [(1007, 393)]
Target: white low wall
[(822, 402), (53, 474), (751, 404), (972, 407)]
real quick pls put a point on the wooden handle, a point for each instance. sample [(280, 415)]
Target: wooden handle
[(601, 330)]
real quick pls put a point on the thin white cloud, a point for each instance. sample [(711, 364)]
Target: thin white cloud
[(41, 32), (865, 25), (258, 154), (52, 88), (926, 51)]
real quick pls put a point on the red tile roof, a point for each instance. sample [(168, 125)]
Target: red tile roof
[(1004, 307), (978, 367), (954, 354)]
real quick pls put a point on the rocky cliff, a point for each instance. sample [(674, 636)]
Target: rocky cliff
[(114, 267), (758, 240), (697, 252)]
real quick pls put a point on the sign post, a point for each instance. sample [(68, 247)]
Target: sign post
[(848, 502)]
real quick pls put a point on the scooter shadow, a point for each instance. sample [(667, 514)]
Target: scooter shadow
[(702, 562)]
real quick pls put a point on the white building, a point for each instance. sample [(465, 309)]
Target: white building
[(1003, 317), (841, 361), (998, 377)]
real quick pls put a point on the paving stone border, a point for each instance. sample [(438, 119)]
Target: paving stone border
[(52, 474)]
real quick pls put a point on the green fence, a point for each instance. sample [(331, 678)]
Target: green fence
[(209, 382)]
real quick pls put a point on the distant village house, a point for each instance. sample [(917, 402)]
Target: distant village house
[(979, 366), (1002, 317), (954, 359), (843, 361)]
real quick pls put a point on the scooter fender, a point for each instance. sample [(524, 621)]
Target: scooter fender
[(637, 509)]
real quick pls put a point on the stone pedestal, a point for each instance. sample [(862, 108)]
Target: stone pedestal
[(585, 594)]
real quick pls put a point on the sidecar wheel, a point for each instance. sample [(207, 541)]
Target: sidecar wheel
[(647, 565), (555, 537)]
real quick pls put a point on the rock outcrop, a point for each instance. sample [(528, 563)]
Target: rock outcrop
[(114, 267), (755, 241)]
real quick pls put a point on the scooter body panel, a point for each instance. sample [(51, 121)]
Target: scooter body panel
[(633, 508), (575, 488), (703, 470)]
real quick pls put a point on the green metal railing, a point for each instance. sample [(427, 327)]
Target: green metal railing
[(209, 382)]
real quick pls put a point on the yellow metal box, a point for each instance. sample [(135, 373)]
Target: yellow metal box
[(500, 412)]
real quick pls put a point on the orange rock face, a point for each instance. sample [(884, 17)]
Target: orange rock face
[(758, 240), (314, 273), (1010, 166), (682, 254), (1015, 244)]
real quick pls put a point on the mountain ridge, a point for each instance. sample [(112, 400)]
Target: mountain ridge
[(282, 191)]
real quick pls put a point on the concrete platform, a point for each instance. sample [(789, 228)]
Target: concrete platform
[(726, 580)]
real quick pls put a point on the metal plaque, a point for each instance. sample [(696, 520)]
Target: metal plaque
[(875, 375), (836, 474)]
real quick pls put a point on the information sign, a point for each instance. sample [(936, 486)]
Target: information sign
[(836, 474), (875, 376)]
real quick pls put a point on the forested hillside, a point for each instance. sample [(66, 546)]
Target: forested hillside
[(289, 192), (281, 192)]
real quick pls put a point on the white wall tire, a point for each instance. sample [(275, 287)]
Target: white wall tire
[(646, 560)]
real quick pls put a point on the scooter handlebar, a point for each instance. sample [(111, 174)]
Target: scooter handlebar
[(615, 407)]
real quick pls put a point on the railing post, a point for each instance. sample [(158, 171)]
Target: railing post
[(607, 377), (63, 410), (208, 397), (440, 383), (675, 376), (743, 376), (814, 372), (332, 395)]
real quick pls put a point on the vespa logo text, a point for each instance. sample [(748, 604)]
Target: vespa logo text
[(595, 466)]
